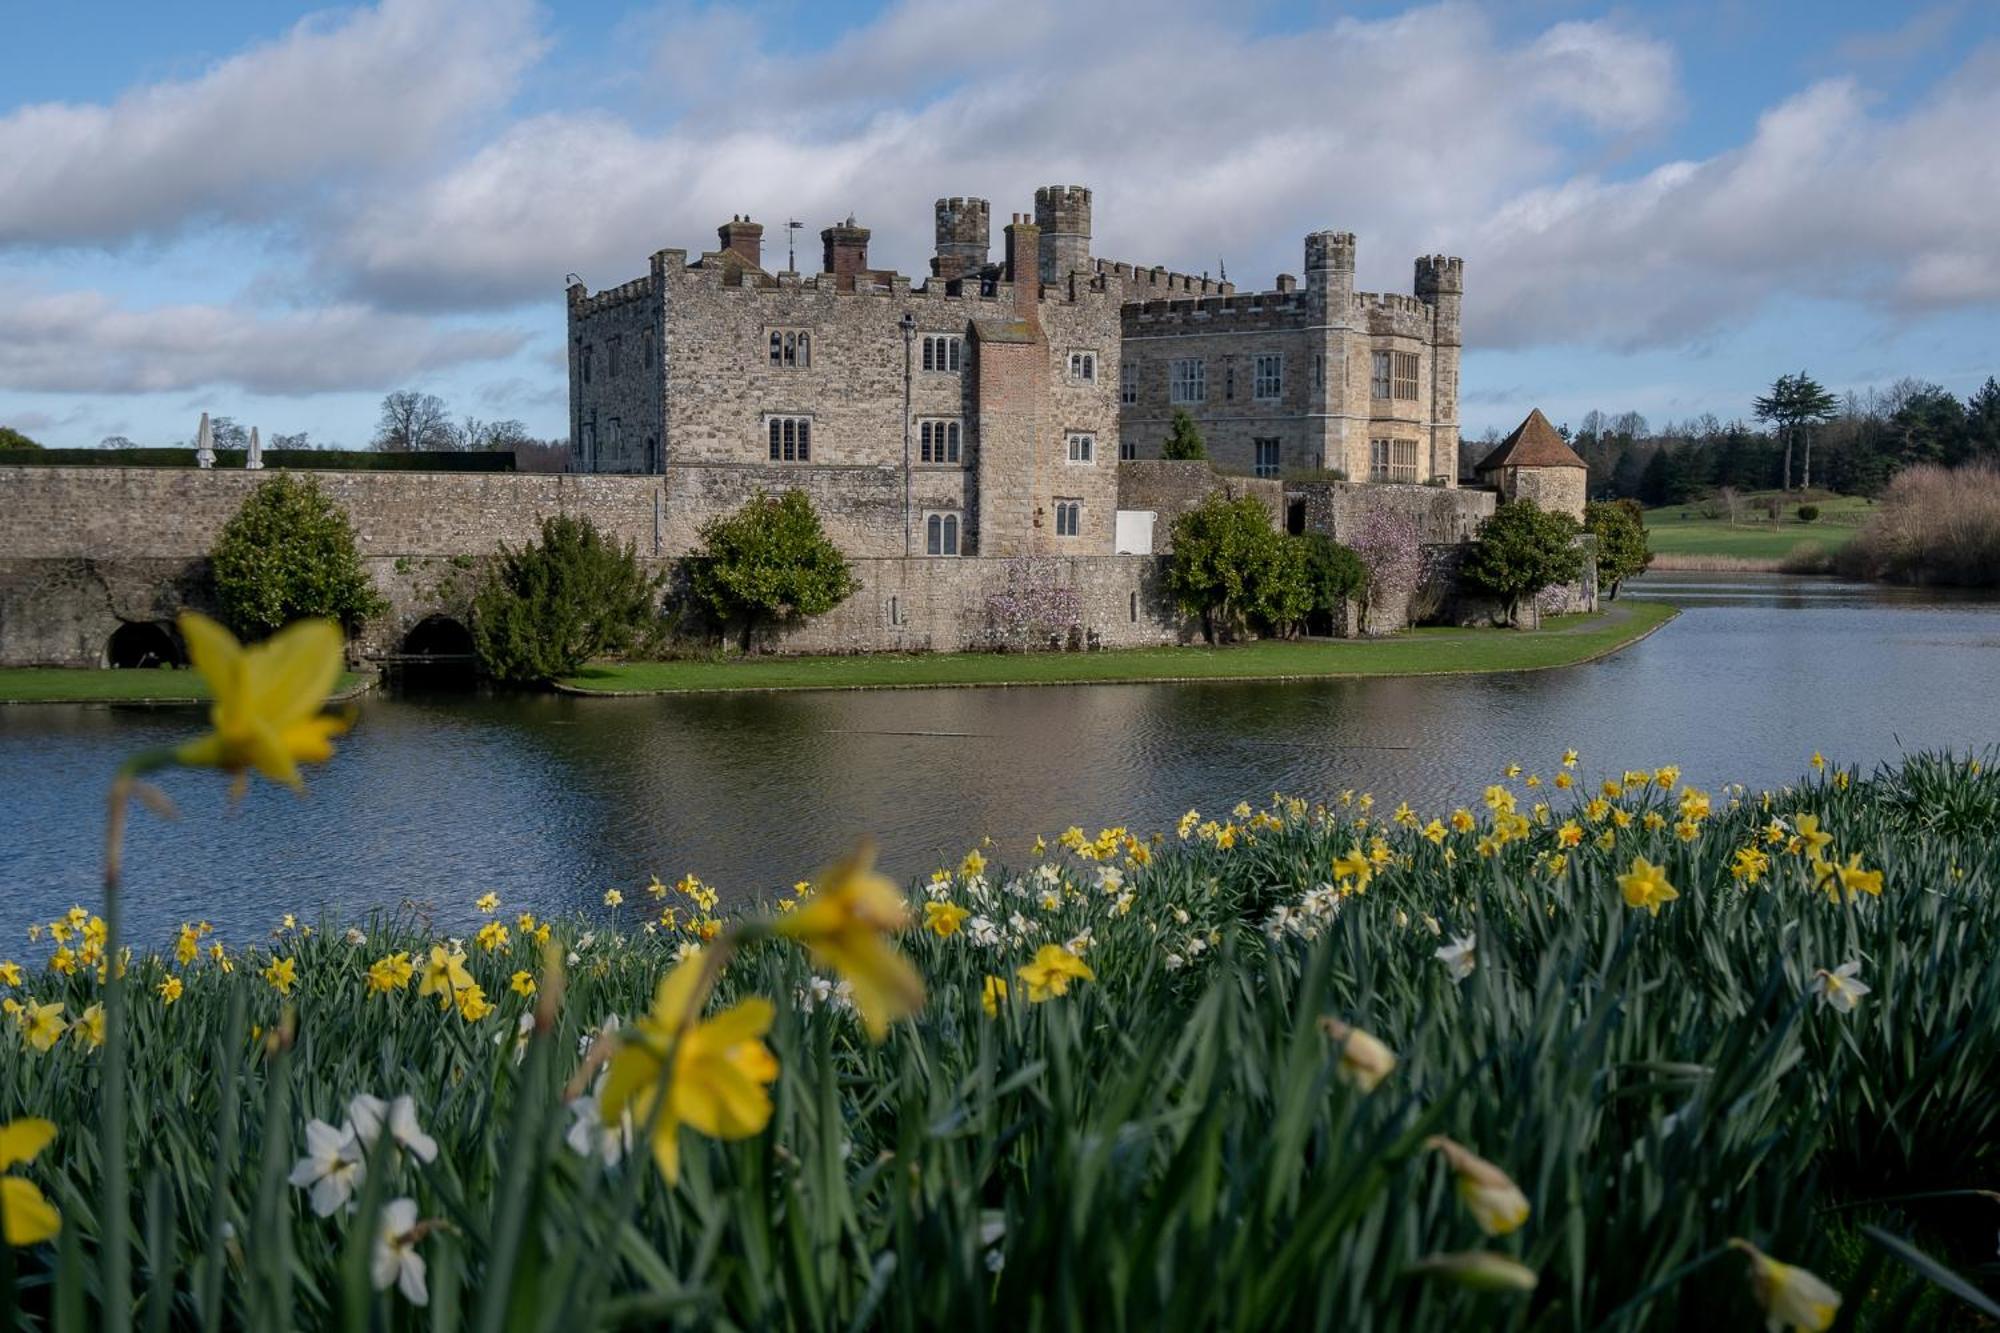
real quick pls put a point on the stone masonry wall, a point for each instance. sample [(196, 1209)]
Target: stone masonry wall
[(1442, 514), (1167, 489)]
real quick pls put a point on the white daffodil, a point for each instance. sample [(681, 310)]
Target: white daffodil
[(982, 932), (1841, 988), (368, 1114), (1792, 1297), (332, 1168), (589, 1135), (1458, 956), (396, 1259)]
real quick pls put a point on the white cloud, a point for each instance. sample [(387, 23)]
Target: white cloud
[(82, 342), (266, 131), (1828, 199), (1202, 141)]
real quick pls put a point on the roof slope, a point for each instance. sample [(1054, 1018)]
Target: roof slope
[(1534, 443)]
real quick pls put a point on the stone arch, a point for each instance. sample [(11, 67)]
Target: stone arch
[(438, 638), (144, 643)]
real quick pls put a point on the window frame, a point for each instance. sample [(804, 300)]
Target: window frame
[(1413, 363), (788, 349), (942, 354), (1083, 366), (1393, 460), (940, 441), (1069, 515), (1276, 448), (790, 437), (1268, 388), (1128, 384), (1381, 380), (943, 534), (1087, 456), (1128, 451), (1187, 380)]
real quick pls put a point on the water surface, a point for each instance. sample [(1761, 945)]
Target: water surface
[(437, 798)]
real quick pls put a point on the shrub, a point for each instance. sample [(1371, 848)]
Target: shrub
[(1334, 574), (1388, 546), (1521, 550), (1229, 564), (1035, 610), (1184, 443), (14, 439), (1622, 550), (288, 554), (1808, 513), (545, 610), (770, 561), (1933, 525)]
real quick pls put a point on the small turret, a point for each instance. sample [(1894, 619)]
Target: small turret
[(1440, 284), (1330, 266), (1063, 214), (964, 233)]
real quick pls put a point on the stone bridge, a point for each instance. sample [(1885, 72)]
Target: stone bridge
[(95, 561)]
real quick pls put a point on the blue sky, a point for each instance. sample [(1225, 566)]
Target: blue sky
[(280, 212)]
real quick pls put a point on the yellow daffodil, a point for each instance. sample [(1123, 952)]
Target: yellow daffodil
[(488, 902), (1569, 758), (187, 945), (1570, 834), (10, 973), (89, 1026), (281, 974), (1462, 820), (1645, 885), (1354, 866), (1564, 781), (444, 975), (1435, 831), (846, 926), (391, 972), (973, 864), (718, 1081), (944, 919), (1494, 1200), (1749, 865), (1815, 840), (268, 698), (991, 992), (472, 1002), (522, 982), (1364, 1060), (1792, 1298), (43, 1024), (26, 1218), (169, 989), (613, 898), (1848, 879), (1050, 972), (492, 937)]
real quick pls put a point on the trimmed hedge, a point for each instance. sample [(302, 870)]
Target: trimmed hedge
[(313, 460)]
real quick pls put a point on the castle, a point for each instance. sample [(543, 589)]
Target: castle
[(987, 410)]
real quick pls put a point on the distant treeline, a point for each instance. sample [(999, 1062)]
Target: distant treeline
[(328, 460), (1860, 445)]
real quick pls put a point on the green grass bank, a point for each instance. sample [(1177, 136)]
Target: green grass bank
[(145, 685), (1562, 641), (1690, 536)]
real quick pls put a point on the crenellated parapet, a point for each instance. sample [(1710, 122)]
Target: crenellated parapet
[(1145, 284), (583, 303), (1239, 312)]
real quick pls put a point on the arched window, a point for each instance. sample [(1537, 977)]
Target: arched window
[(941, 534)]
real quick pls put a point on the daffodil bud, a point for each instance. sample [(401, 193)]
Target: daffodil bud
[(1480, 1270), (1364, 1060), (1489, 1194), (1791, 1297)]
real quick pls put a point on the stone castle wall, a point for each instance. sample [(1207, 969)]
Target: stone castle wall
[(1167, 489), (1443, 515), (84, 550)]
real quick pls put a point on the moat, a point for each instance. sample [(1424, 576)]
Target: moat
[(437, 797)]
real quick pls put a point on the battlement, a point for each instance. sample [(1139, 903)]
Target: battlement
[(1439, 275), (1143, 284), (582, 304), (1242, 312), (1330, 251), (1063, 208), (1393, 315)]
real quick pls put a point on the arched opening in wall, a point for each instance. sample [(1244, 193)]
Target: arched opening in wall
[(437, 652), (144, 643), (1295, 518)]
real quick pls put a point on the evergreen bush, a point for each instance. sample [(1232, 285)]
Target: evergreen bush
[(546, 609), (1622, 549), (1184, 443), (769, 562), (288, 554), (1521, 550)]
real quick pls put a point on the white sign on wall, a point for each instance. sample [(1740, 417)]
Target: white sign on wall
[(1134, 533)]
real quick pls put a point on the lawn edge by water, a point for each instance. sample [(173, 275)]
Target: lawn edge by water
[(139, 687), (1571, 642)]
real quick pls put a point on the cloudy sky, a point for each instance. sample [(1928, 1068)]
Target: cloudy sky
[(279, 212)]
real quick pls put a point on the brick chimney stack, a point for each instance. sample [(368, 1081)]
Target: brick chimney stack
[(745, 237), (846, 251), (1024, 265)]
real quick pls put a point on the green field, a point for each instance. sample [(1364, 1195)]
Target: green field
[(65, 685), (1562, 641), (1686, 530)]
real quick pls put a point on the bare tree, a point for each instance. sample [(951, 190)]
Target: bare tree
[(230, 433), (116, 442), (412, 422), (302, 440), (495, 436)]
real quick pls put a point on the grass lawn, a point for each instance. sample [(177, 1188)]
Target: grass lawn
[(1562, 641), (64, 685), (1677, 530)]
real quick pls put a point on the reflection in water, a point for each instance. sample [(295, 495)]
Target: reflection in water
[(438, 797)]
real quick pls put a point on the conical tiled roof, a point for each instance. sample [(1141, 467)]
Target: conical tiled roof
[(1534, 443)]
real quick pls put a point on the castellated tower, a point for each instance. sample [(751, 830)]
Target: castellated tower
[(1440, 284), (1063, 214), (964, 231), (1330, 267)]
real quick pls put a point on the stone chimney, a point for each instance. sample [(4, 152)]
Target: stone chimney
[(1024, 265), (964, 232), (745, 237), (846, 251)]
